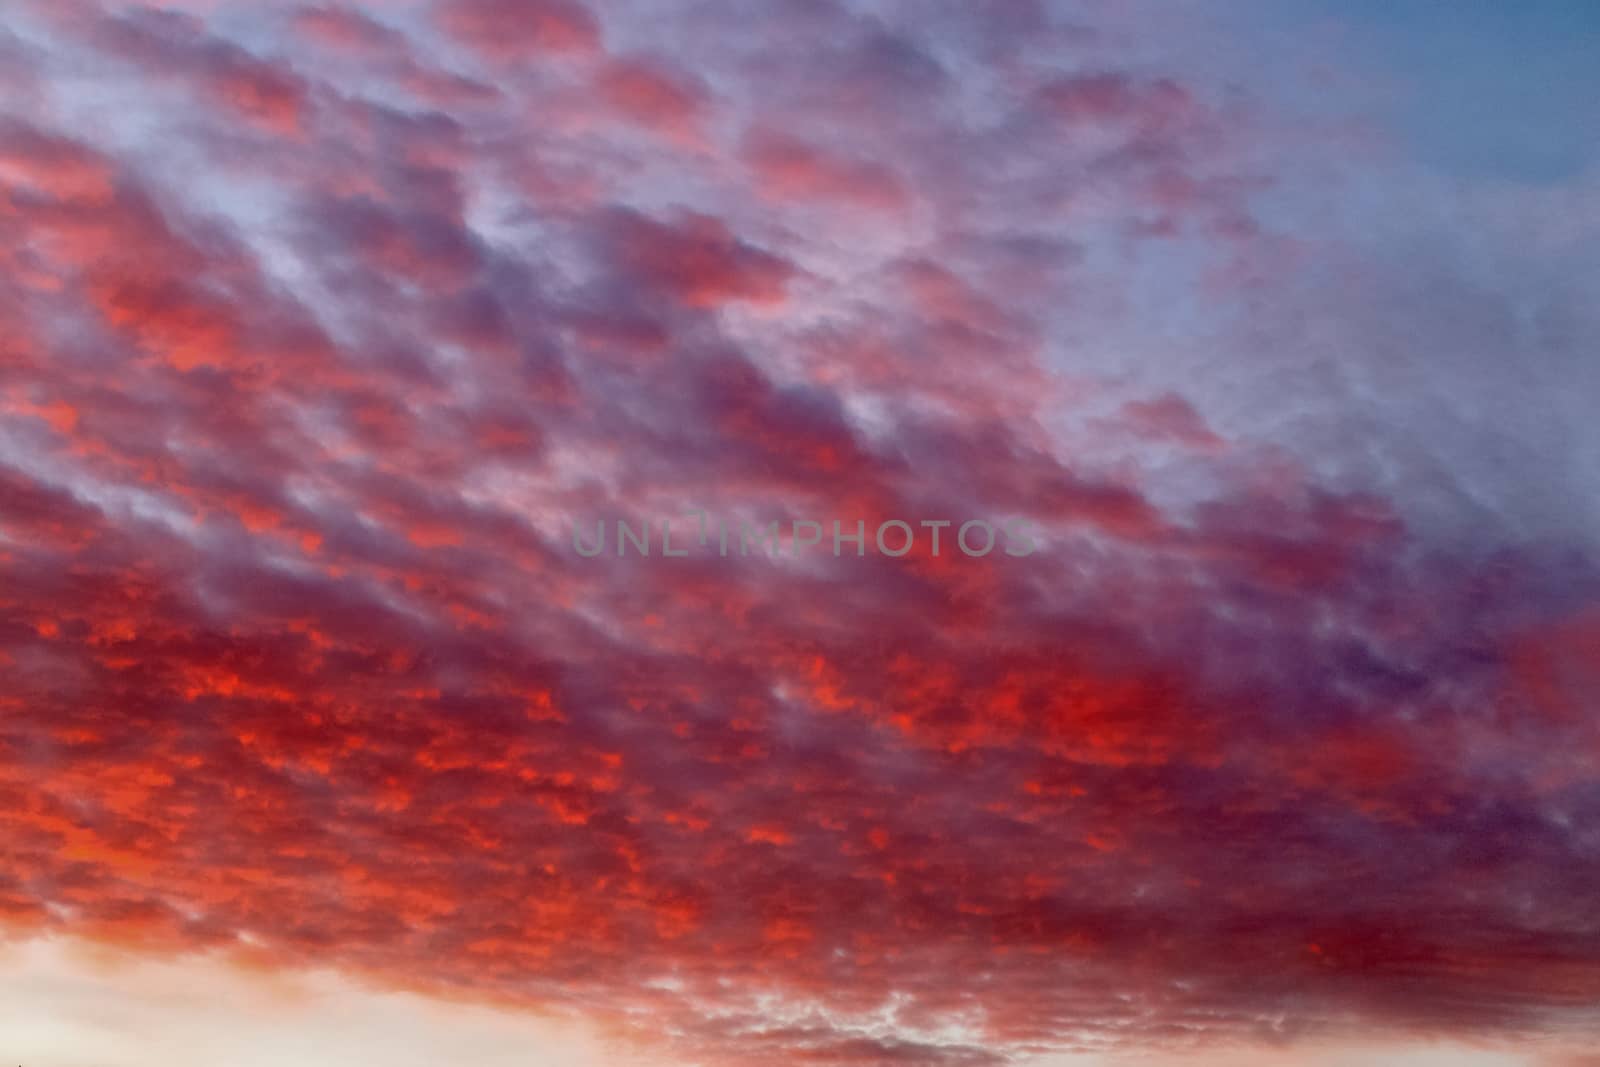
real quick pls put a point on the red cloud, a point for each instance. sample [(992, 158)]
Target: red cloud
[(1116, 98), (787, 168), (648, 93), (696, 260), (516, 29), (1170, 417), (295, 653), (346, 28), (55, 166)]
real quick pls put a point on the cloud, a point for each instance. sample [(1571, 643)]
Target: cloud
[(504, 30), (650, 94), (1284, 735), (787, 168)]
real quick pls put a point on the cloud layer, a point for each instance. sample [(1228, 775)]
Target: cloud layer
[(325, 324)]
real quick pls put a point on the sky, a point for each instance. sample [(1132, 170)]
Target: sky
[(1260, 336)]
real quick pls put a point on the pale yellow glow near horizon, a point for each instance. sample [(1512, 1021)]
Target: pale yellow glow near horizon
[(67, 1004), (1346, 1054)]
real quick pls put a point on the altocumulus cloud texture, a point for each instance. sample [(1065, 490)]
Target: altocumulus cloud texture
[(322, 324)]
